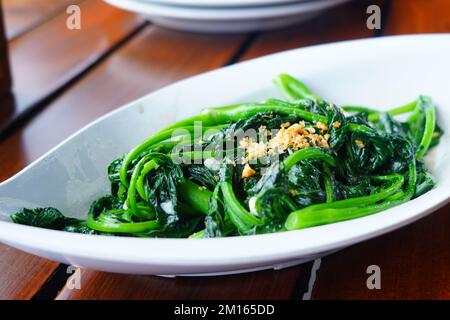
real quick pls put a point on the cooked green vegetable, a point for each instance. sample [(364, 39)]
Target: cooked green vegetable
[(262, 167)]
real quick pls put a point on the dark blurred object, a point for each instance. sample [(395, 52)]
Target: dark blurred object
[(6, 100)]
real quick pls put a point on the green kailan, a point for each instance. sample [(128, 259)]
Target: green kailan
[(370, 161)]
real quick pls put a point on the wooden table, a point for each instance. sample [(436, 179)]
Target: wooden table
[(63, 79)]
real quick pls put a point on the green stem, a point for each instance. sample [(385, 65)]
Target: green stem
[(308, 153), (374, 115), (131, 227), (292, 89), (131, 193), (157, 138), (140, 149), (354, 127), (343, 209), (240, 217), (194, 155), (233, 113), (303, 220), (198, 235), (328, 186), (194, 196), (149, 166), (412, 180), (430, 125)]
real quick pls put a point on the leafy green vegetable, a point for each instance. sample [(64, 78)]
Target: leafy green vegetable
[(49, 218), (255, 168)]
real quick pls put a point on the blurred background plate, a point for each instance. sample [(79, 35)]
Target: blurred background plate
[(224, 3), (227, 20)]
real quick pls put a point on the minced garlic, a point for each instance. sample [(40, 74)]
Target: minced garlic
[(244, 143), (256, 150), (248, 171), (289, 137), (336, 124), (360, 144), (322, 126)]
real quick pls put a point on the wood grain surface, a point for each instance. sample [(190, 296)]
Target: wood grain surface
[(257, 285), (22, 275), (23, 15), (50, 57), (413, 262), (418, 16)]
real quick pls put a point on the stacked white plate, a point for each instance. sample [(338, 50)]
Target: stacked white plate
[(226, 15)]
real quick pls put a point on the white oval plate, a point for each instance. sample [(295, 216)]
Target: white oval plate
[(228, 20), (381, 73)]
